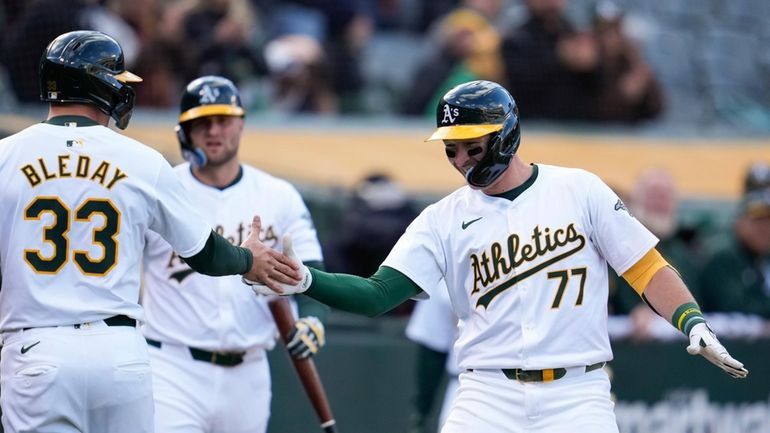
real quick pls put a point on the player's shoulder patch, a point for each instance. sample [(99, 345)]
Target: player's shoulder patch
[(619, 205)]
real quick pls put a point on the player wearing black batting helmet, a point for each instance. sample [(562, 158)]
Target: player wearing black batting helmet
[(233, 346), (475, 109), (506, 248), (88, 66), (79, 200), (206, 96)]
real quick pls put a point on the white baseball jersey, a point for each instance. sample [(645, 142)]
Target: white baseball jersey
[(527, 278), (75, 205), (217, 314)]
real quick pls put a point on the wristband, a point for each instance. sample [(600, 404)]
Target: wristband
[(687, 316)]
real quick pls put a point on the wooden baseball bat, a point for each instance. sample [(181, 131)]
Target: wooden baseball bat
[(308, 375)]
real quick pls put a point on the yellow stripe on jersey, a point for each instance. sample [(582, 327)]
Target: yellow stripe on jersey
[(640, 274)]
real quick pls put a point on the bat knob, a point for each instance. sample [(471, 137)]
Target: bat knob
[(329, 426)]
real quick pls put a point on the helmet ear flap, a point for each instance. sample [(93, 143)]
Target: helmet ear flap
[(502, 145), (491, 166), (194, 156), (123, 107), (506, 142)]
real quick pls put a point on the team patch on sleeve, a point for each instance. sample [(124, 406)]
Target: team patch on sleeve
[(619, 205)]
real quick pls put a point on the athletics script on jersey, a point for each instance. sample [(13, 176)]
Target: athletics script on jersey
[(493, 267), (83, 167), (179, 269)]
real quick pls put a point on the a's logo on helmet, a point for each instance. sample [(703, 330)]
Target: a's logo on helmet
[(208, 95), (450, 114)]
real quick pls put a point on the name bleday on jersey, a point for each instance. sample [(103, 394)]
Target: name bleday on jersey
[(62, 166)]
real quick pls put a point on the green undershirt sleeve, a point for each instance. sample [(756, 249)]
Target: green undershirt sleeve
[(219, 257), (307, 306), (429, 374), (372, 296)]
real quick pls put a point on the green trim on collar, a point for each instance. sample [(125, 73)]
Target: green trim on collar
[(236, 180), (69, 120), (512, 194)]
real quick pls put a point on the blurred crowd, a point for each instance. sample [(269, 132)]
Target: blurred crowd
[(564, 60)]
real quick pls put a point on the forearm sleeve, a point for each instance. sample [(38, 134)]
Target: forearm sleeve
[(372, 296), (219, 257), (308, 306)]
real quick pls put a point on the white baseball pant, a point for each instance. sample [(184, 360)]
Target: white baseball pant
[(488, 402), (193, 396), (91, 379)]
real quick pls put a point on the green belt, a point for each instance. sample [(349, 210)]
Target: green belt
[(547, 375)]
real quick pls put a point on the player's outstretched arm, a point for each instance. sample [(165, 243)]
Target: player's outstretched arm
[(668, 295), (372, 296)]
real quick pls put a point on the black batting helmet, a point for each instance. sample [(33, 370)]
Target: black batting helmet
[(205, 96), (88, 67), (473, 110)]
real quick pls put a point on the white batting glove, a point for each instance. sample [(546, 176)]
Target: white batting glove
[(307, 338), (704, 342), (307, 278)]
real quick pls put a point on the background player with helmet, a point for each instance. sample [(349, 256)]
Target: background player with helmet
[(76, 202), (523, 250), (207, 335)]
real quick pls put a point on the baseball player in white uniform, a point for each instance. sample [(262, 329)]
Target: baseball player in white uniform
[(76, 202), (433, 326), (207, 335), (523, 250)]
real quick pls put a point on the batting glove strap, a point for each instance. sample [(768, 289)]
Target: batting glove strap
[(307, 338), (704, 342)]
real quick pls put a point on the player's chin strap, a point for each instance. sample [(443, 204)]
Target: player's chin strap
[(196, 157)]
